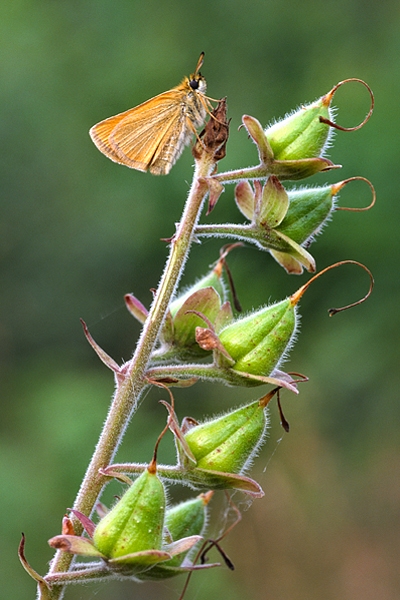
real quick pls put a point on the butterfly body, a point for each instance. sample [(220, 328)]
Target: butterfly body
[(152, 136)]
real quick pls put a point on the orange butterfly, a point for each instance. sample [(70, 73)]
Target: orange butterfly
[(152, 136)]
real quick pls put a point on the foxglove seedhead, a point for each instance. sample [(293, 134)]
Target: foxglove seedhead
[(200, 303), (258, 342), (285, 222), (227, 443), (136, 522), (302, 134), (187, 519)]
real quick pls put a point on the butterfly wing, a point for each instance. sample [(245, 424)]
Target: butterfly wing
[(171, 146), (145, 134)]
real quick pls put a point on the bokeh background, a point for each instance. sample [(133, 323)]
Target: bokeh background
[(77, 232)]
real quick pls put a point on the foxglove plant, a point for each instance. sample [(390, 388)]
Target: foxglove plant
[(197, 335)]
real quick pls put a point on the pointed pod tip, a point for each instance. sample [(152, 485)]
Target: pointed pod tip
[(152, 468), (327, 98), (296, 297), (206, 497), (336, 187)]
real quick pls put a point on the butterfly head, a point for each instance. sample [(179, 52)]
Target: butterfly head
[(197, 83)]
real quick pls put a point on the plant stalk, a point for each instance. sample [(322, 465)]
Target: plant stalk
[(127, 395)]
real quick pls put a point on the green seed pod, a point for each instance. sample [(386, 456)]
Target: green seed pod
[(301, 134), (228, 442), (285, 222), (207, 302), (188, 518), (178, 334), (302, 158), (257, 343), (292, 148), (212, 279), (308, 211), (135, 523)]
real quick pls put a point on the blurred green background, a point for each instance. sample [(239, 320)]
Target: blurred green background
[(77, 232)]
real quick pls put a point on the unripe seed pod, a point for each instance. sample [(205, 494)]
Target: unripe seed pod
[(206, 302), (285, 222), (258, 342), (183, 520), (212, 279), (228, 442), (204, 298), (301, 134), (308, 210), (136, 522), (186, 519)]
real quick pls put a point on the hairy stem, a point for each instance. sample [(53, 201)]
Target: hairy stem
[(128, 394)]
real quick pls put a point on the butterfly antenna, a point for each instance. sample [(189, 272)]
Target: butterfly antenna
[(199, 63)]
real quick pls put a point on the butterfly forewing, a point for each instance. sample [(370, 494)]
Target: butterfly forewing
[(171, 147), (100, 134), (152, 136), (139, 137)]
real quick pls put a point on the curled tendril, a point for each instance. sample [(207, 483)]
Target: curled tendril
[(332, 311), (330, 95), (338, 186)]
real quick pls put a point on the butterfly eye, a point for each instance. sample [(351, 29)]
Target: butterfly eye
[(194, 84)]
